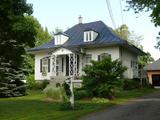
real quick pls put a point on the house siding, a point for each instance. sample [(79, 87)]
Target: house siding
[(116, 52), (113, 51), (126, 58), (38, 74)]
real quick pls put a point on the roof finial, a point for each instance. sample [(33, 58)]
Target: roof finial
[(80, 19)]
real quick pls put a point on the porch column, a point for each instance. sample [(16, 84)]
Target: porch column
[(75, 65), (70, 64), (54, 62), (73, 71)]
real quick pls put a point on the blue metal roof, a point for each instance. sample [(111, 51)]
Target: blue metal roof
[(105, 37)]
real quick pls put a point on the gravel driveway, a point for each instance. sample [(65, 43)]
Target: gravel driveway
[(144, 108)]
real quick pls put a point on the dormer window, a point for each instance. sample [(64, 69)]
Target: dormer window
[(90, 35), (61, 38)]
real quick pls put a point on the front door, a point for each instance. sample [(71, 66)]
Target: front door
[(60, 66), (156, 80)]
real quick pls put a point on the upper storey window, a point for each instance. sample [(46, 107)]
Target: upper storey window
[(90, 35), (60, 38)]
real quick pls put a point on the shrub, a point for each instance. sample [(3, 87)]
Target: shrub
[(103, 77), (31, 81), (33, 84), (44, 84), (56, 93), (80, 94), (129, 84)]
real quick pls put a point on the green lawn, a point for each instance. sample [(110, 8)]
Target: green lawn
[(34, 107)]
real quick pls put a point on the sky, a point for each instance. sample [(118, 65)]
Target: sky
[(64, 14)]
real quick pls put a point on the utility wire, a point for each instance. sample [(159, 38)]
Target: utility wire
[(110, 13), (121, 12)]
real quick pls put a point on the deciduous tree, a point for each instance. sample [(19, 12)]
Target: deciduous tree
[(147, 5)]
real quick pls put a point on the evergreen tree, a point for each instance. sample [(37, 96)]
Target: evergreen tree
[(16, 33)]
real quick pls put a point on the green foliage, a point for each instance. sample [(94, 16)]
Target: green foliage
[(129, 84), (146, 59), (67, 89), (67, 106), (56, 93), (31, 81), (36, 106), (44, 84), (102, 77), (35, 85), (80, 94), (42, 34), (100, 100), (135, 39), (16, 33), (124, 32), (41, 85), (147, 5), (12, 89)]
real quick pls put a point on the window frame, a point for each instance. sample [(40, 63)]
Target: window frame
[(88, 62), (45, 66), (102, 56)]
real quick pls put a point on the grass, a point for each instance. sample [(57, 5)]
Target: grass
[(34, 107)]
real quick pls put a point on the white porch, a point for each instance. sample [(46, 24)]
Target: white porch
[(64, 64)]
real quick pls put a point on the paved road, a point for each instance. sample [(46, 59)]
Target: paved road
[(145, 108)]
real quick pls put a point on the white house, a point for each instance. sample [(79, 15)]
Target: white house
[(70, 51)]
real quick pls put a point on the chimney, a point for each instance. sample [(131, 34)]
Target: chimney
[(80, 19)]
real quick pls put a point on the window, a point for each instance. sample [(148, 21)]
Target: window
[(90, 36), (88, 59), (103, 55), (45, 66), (134, 64), (60, 39)]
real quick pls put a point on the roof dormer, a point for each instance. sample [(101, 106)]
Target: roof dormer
[(61, 38), (90, 35)]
